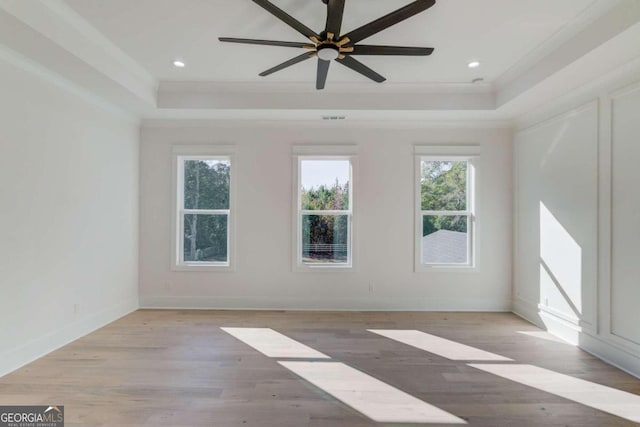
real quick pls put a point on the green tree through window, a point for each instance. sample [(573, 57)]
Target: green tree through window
[(444, 188), (206, 188), (328, 233), (324, 209)]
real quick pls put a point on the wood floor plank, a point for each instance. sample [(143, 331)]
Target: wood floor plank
[(178, 368)]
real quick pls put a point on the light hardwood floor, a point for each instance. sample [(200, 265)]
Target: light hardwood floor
[(178, 368)]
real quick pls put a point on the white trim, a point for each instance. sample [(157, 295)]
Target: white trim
[(568, 331), (609, 286), (565, 103), (612, 353), (470, 213), (81, 52), (323, 152), (447, 151), (205, 211), (569, 31), (327, 213), (527, 311), (311, 120), (573, 320), (446, 213), (556, 117), (43, 73), (600, 346), (330, 151), (340, 303), (204, 150), (179, 154), (15, 358)]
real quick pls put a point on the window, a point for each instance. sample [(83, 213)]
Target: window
[(204, 214), (324, 211), (445, 212)]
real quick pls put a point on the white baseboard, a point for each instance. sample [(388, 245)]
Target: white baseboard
[(324, 304), (611, 353), (600, 347), (607, 351), (38, 347), (528, 311), (568, 331)]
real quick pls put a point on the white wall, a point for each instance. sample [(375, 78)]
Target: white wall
[(557, 175), (263, 277), (578, 220), (69, 215)]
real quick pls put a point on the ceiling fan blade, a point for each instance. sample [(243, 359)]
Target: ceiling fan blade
[(288, 63), (266, 42), (388, 20), (323, 71), (391, 50), (359, 67), (286, 18), (335, 10)]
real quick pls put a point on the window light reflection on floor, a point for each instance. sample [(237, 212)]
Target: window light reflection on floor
[(442, 347), (371, 397), (273, 344), (597, 396)]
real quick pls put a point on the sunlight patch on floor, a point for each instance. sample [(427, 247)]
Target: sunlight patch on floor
[(606, 399), (369, 396), (273, 344), (442, 347)]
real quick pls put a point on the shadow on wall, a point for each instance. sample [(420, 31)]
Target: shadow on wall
[(560, 275), (560, 268)]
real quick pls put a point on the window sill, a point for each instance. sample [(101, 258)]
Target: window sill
[(446, 269), (212, 268), (306, 268)]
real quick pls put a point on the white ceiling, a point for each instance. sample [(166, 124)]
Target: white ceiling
[(499, 33), (118, 54)]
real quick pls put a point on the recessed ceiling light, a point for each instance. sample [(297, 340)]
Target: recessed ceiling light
[(473, 64), (178, 64)]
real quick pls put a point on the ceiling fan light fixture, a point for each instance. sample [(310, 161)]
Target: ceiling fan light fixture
[(328, 52)]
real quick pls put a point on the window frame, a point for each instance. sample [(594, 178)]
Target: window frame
[(469, 154), (180, 154), (342, 152)]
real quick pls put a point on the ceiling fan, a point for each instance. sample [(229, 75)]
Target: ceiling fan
[(330, 44)]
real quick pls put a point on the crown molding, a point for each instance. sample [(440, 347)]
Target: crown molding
[(609, 59), (552, 58), (291, 119), (27, 65), (580, 23), (241, 96), (53, 34), (624, 76)]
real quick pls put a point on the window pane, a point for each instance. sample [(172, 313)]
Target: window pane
[(205, 238), (444, 185), (325, 184), (206, 184), (325, 239), (444, 239)]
